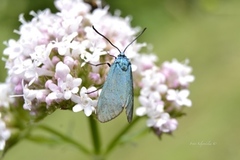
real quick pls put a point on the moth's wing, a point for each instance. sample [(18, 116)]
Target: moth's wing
[(129, 95), (116, 94), (109, 103)]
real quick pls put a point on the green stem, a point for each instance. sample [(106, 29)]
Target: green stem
[(95, 135), (66, 139), (118, 137)]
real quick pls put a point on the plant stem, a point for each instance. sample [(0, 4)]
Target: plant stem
[(66, 139), (118, 137), (95, 135)]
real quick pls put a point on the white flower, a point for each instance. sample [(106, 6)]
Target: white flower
[(72, 8), (26, 70), (29, 95), (142, 64), (170, 125), (14, 49), (153, 80), (70, 62), (41, 55), (55, 94), (179, 97), (4, 134), (158, 120), (84, 102), (150, 106), (62, 70), (178, 74), (89, 52), (35, 32), (64, 88), (70, 86), (5, 98), (66, 44), (162, 123), (92, 92)]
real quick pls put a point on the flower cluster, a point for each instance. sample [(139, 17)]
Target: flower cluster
[(4, 134), (164, 91), (49, 66)]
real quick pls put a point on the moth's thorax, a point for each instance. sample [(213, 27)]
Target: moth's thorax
[(123, 62)]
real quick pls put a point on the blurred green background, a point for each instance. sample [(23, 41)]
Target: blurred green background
[(205, 31)]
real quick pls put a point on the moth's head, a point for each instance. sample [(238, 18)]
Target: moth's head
[(123, 62)]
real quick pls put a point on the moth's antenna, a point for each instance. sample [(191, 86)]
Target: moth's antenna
[(134, 40), (106, 39)]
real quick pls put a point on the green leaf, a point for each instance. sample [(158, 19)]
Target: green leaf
[(40, 139)]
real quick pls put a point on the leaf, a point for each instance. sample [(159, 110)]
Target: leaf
[(47, 140)]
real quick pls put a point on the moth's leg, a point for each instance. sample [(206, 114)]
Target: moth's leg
[(109, 65), (100, 64), (94, 90)]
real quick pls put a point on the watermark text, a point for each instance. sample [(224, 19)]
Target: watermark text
[(203, 143)]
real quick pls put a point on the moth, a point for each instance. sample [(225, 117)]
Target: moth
[(117, 91)]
